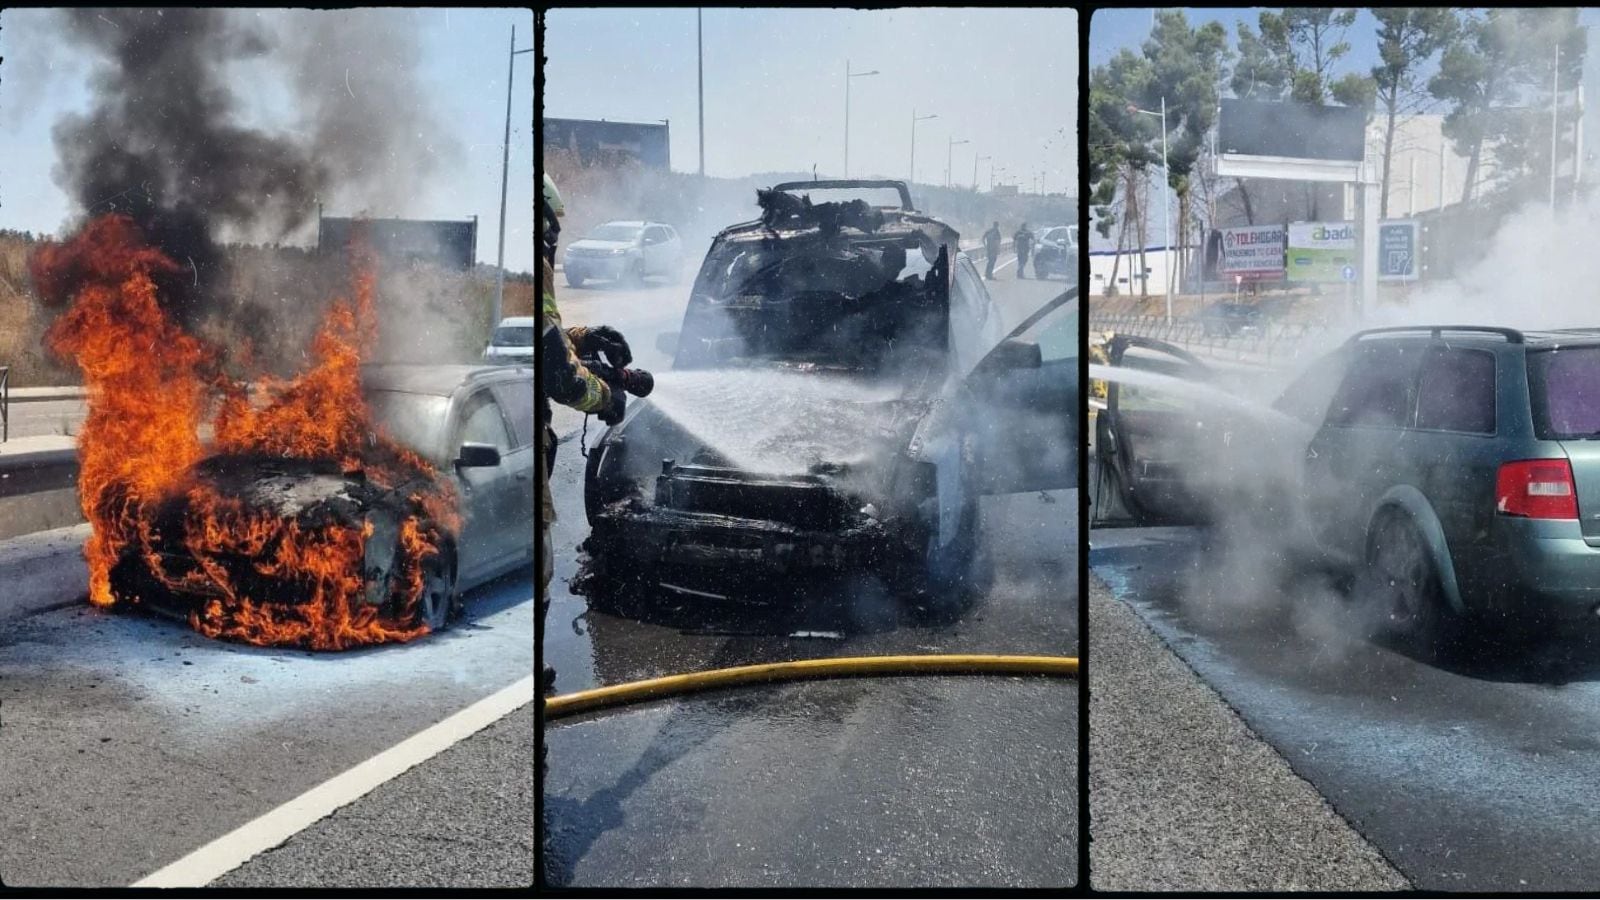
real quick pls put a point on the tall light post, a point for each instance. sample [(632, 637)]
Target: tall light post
[(505, 174), (914, 120), (847, 76), (1555, 98), (700, 85), (949, 156), (975, 159), (1166, 205)]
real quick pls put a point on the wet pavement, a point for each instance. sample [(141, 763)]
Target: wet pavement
[(955, 781), (1476, 776)]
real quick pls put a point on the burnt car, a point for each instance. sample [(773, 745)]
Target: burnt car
[(844, 391), (1232, 320), (473, 424)]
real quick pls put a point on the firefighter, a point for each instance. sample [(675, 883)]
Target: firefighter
[(1024, 243), (568, 382), (991, 246)]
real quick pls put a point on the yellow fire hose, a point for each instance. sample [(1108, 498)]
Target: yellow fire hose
[(856, 666)]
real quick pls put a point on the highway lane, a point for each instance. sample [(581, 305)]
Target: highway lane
[(36, 418), (129, 741), (1479, 776)]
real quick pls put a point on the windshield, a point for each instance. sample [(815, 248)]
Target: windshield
[(866, 306), (1565, 389), (625, 233), (513, 336), (415, 420)]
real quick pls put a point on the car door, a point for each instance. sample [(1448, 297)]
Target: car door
[(1357, 455), (516, 401), (654, 248), (671, 250), (1149, 434), (1025, 405), (484, 543)]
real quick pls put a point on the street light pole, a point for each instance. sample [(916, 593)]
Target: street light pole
[(847, 76), (700, 84), (949, 156), (914, 120), (1166, 205), (1555, 95), (505, 176)]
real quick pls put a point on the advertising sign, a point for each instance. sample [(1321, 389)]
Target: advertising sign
[(1253, 252), (1319, 251), (1397, 250)]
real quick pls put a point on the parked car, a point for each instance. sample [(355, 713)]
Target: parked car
[(512, 341), (1232, 320), (625, 251), (473, 423), (1055, 252), (1454, 470), (855, 394)]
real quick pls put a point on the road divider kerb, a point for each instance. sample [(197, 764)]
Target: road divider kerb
[(239, 846), (43, 569), (830, 667)]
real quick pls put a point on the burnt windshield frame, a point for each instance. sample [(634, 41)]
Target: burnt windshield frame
[(1538, 359)]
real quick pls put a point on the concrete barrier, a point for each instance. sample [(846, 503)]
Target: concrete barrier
[(41, 570)]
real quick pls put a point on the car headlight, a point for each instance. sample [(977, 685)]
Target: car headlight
[(620, 251)]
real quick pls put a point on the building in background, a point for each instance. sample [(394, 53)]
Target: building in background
[(599, 142), (450, 244)]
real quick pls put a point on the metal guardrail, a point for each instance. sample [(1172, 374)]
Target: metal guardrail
[(1272, 342), (5, 403)]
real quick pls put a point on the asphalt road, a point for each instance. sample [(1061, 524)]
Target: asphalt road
[(1475, 777), (890, 782), (127, 742)]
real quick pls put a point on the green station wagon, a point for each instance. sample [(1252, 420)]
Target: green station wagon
[(1456, 469)]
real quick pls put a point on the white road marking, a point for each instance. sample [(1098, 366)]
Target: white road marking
[(237, 847)]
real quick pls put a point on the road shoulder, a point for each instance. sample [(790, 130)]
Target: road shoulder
[(1184, 796)]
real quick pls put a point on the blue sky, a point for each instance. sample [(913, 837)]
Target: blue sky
[(1113, 29), (462, 70), (1004, 79)]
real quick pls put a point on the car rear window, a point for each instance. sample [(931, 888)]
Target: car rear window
[(513, 336), (1377, 391), (1456, 392), (1564, 386)]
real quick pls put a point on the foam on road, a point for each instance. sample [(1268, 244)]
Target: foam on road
[(1185, 797), (154, 740)]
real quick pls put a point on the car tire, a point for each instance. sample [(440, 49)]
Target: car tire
[(634, 277), (950, 577), (1040, 271), (574, 279), (1401, 589), (439, 600)]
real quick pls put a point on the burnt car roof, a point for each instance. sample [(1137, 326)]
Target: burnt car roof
[(1490, 333), (788, 213), (440, 381)]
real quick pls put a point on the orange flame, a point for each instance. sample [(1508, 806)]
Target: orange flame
[(150, 387)]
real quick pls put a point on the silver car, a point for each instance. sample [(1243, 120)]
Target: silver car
[(628, 252)]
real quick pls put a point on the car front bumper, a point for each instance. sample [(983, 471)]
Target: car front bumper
[(604, 267)]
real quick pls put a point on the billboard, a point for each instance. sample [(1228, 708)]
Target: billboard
[(453, 245), (1321, 251), (1253, 252), (595, 140), (1327, 251), (1298, 130)]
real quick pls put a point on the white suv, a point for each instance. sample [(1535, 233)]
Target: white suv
[(625, 251), (512, 341)]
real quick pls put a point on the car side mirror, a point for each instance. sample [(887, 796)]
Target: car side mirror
[(478, 456), (667, 342), (1011, 355)]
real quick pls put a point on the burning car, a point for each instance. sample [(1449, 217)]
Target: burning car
[(843, 391), (411, 566)]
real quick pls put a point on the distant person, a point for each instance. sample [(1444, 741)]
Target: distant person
[(1024, 243), (991, 246)]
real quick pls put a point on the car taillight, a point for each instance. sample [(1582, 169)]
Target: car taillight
[(1536, 489)]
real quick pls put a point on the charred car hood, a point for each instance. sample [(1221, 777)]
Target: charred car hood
[(782, 423)]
